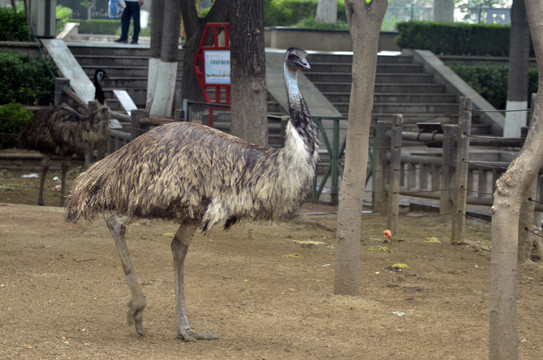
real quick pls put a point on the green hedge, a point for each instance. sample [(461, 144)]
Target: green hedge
[(106, 27), (13, 118), (491, 81), (26, 80), (454, 38), (12, 25)]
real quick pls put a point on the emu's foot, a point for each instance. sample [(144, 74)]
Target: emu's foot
[(189, 335), (135, 313)]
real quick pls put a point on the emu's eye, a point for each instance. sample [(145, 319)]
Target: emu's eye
[(292, 57)]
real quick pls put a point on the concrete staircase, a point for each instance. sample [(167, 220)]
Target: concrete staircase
[(402, 87), (126, 66)]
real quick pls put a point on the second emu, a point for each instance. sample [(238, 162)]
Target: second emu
[(199, 177)]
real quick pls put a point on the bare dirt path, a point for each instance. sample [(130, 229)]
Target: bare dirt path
[(63, 293)]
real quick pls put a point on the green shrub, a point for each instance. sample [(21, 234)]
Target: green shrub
[(12, 25), (63, 14), (491, 81), (25, 80), (13, 118), (454, 38), (99, 26), (287, 12)]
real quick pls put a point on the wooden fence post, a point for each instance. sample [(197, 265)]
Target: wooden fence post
[(395, 174), (60, 85), (135, 128), (381, 171), (448, 157), (461, 171)]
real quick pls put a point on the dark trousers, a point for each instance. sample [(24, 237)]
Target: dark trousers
[(132, 10)]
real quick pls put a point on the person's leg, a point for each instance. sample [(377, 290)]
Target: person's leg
[(137, 25), (125, 24)]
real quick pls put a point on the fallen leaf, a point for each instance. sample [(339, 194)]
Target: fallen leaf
[(381, 248)]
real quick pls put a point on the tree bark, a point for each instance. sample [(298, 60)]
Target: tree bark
[(157, 18), (248, 72), (517, 81), (444, 11), (326, 12), (365, 21), (510, 191), (194, 27), (166, 70)]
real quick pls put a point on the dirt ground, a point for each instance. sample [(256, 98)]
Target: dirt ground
[(268, 296)]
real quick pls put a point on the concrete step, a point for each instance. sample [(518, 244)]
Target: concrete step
[(415, 78), (337, 97), (331, 67), (345, 87)]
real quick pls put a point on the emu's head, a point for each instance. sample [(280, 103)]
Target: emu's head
[(296, 59), (99, 95)]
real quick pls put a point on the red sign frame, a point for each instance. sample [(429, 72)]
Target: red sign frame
[(213, 30)]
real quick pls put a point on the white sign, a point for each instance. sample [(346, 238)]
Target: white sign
[(217, 66)]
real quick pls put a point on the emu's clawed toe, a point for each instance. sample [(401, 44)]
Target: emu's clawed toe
[(189, 335)]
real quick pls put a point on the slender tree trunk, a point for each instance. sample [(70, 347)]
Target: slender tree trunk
[(326, 12), (444, 11), (248, 72), (167, 67), (517, 82), (157, 19), (364, 24), (509, 195)]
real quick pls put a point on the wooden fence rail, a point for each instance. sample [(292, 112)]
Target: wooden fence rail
[(449, 176)]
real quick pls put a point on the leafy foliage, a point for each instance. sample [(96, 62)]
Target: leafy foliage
[(454, 39), (13, 118), (491, 81), (12, 25), (299, 13), (26, 80)]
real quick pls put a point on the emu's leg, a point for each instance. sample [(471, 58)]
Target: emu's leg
[(44, 170), (64, 167), (180, 246), (117, 227)]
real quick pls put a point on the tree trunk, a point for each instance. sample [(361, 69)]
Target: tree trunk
[(157, 18), (517, 82), (167, 66), (326, 12), (509, 195), (364, 25), (194, 27), (444, 11), (248, 72)]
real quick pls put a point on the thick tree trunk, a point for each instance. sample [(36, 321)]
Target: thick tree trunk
[(364, 24), (248, 72), (509, 195), (517, 82)]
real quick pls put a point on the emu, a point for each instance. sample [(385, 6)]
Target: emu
[(62, 131), (199, 177)]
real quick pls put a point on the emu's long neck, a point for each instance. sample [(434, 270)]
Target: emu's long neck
[(99, 93), (299, 113)]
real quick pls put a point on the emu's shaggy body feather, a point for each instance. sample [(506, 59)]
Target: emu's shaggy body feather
[(184, 171), (63, 131)]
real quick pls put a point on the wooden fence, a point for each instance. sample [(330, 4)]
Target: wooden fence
[(446, 173)]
